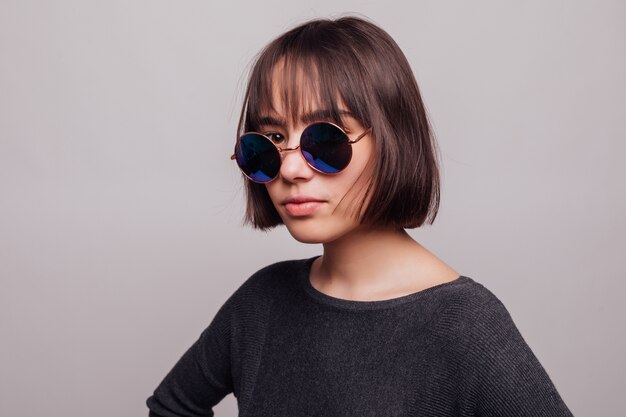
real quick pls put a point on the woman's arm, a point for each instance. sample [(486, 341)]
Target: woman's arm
[(202, 376)]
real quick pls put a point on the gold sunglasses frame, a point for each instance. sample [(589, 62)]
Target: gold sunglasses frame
[(280, 150)]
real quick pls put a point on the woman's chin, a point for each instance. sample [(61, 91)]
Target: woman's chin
[(308, 234), (316, 231)]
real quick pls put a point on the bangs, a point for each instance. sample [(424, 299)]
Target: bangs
[(295, 79)]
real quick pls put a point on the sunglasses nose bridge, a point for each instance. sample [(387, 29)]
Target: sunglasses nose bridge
[(285, 151), (288, 149)]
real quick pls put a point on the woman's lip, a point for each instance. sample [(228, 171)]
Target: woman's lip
[(303, 209)]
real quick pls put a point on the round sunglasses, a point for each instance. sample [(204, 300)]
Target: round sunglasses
[(325, 146)]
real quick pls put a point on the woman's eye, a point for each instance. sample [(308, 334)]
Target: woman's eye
[(275, 137)]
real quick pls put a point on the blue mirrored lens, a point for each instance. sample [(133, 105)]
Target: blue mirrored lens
[(326, 147), (257, 157)]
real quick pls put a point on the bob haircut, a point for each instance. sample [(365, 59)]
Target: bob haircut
[(359, 62)]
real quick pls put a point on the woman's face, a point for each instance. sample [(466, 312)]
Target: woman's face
[(329, 220)]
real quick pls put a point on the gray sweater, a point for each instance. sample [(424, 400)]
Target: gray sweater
[(286, 349)]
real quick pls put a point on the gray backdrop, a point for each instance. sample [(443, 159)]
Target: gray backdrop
[(120, 210)]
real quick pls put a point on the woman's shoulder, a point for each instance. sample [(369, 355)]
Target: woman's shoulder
[(275, 274), (250, 303), (268, 279), (470, 314), (471, 296)]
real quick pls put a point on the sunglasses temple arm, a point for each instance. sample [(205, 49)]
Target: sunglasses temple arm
[(361, 136)]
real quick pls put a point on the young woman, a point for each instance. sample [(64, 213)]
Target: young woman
[(334, 143)]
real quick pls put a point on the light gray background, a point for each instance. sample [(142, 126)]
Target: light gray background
[(120, 210)]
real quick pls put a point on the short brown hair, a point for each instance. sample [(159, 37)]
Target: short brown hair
[(357, 60)]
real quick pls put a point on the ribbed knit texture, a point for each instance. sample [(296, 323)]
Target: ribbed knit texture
[(286, 349)]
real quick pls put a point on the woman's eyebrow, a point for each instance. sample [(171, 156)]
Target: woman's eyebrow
[(270, 121), (323, 114)]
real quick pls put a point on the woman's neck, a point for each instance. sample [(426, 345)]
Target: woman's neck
[(377, 263)]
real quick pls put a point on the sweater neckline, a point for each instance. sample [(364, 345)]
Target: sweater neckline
[(304, 279)]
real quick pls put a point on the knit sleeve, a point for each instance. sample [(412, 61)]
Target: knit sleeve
[(505, 377), (201, 378)]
